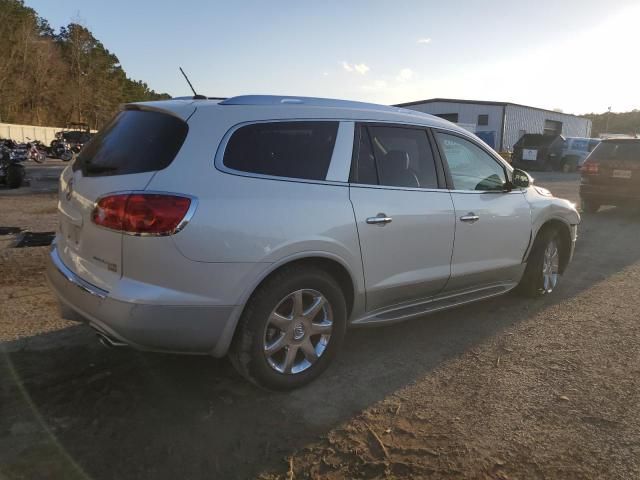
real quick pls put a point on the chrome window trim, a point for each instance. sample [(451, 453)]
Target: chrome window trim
[(218, 160), (183, 223), (405, 189), (219, 165), (73, 278)]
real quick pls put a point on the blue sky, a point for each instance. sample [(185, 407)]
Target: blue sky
[(580, 56)]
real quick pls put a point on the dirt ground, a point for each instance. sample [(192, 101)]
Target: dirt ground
[(503, 389)]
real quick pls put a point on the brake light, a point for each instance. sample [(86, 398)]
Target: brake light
[(590, 168), (141, 213)]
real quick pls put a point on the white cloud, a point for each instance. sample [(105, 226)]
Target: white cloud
[(325, 74), (424, 41), (405, 75), (360, 68)]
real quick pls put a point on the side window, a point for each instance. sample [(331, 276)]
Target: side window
[(470, 166), (363, 168), (403, 157), (284, 149)]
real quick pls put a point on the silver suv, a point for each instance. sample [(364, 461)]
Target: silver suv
[(262, 227)]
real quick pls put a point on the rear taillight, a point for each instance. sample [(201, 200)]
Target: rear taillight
[(590, 168), (141, 213)]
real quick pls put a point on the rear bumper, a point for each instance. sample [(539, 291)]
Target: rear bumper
[(194, 329), (609, 193)]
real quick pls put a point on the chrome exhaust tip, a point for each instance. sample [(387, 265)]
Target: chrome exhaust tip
[(108, 341)]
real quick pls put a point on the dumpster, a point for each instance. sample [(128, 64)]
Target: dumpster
[(535, 151)]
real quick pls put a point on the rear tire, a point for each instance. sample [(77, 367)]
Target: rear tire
[(569, 164), (279, 343), (14, 177), (589, 206), (541, 276)]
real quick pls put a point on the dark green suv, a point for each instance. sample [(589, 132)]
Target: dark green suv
[(611, 175)]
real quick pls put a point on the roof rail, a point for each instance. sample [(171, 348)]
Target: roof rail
[(309, 101), (198, 97)]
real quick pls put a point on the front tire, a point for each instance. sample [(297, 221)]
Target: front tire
[(291, 329), (542, 273)]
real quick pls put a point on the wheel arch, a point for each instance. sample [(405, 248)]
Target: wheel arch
[(564, 234), (333, 264), (327, 262)]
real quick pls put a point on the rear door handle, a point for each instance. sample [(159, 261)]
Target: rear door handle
[(380, 219), (470, 218)]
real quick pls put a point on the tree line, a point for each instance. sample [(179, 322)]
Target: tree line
[(54, 78), (627, 122)]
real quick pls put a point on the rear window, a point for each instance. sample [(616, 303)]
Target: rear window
[(135, 141), (283, 149), (629, 151)]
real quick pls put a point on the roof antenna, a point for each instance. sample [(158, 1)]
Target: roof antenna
[(195, 95)]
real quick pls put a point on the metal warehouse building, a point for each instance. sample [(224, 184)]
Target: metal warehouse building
[(501, 124)]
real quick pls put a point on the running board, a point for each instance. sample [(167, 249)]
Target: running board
[(405, 312)]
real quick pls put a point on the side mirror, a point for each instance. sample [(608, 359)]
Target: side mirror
[(521, 179)]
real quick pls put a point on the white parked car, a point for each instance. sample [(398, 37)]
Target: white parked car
[(264, 226)]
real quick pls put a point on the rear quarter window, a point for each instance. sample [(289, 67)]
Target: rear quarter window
[(134, 141), (283, 149)]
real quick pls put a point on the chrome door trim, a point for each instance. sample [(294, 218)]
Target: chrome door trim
[(381, 219), (431, 305), (470, 218)]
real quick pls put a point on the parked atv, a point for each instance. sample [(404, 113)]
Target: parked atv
[(12, 171)]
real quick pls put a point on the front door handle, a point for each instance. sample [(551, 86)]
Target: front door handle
[(470, 218), (380, 219)]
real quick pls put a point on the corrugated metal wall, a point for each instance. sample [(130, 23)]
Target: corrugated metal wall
[(520, 120), (468, 114)]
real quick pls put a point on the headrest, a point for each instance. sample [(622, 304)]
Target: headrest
[(397, 159)]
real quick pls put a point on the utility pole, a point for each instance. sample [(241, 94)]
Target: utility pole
[(608, 115)]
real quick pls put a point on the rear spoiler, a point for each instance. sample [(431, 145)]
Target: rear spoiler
[(176, 108)]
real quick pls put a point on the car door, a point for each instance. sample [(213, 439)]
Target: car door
[(404, 215), (493, 224)]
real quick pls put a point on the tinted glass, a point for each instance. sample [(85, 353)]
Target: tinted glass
[(625, 150), (403, 157), (283, 149), (470, 166), (364, 164), (133, 142), (483, 119), (593, 144)]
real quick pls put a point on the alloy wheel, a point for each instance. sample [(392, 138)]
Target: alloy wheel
[(550, 267), (298, 331)]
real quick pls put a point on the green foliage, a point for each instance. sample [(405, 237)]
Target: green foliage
[(627, 123), (49, 78)]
